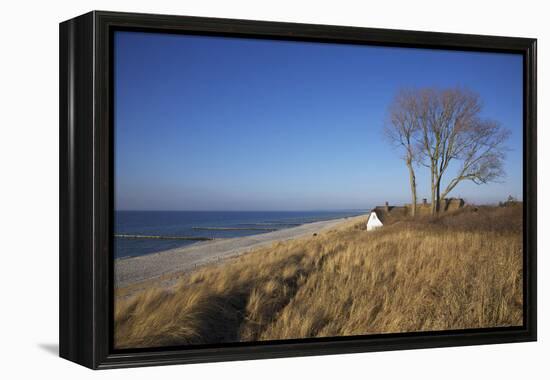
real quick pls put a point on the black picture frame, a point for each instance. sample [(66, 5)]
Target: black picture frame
[(86, 188)]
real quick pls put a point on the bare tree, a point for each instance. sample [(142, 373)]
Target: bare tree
[(436, 128), (451, 130), (401, 131)]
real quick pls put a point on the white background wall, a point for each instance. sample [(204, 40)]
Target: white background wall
[(29, 186)]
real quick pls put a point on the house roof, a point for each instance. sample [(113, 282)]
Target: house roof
[(392, 212)]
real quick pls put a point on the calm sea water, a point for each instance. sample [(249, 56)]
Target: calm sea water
[(205, 224)]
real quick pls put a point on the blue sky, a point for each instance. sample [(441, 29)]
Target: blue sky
[(214, 123)]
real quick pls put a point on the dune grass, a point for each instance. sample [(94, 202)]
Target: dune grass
[(461, 270)]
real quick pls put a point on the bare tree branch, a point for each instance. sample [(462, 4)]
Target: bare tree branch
[(401, 130)]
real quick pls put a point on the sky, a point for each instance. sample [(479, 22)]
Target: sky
[(219, 123)]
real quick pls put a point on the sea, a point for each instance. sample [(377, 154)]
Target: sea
[(140, 233)]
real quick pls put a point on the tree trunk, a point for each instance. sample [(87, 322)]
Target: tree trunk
[(412, 179), (438, 195), (434, 200)]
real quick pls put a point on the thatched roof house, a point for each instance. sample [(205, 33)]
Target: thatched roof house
[(387, 214), (381, 215)]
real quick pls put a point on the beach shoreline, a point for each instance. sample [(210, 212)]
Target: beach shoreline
[(133, 270)]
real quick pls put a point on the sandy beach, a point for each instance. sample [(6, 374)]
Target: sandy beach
[(132, 270)]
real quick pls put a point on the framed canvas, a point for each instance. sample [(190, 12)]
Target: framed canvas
[(234, 189)]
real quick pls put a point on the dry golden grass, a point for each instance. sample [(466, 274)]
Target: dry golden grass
[(461, 270)]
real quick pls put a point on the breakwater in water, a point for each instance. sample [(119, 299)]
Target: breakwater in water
[(143, 232), (195, 238)]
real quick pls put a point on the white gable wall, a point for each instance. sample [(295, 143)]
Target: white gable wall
[(373, 222)]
